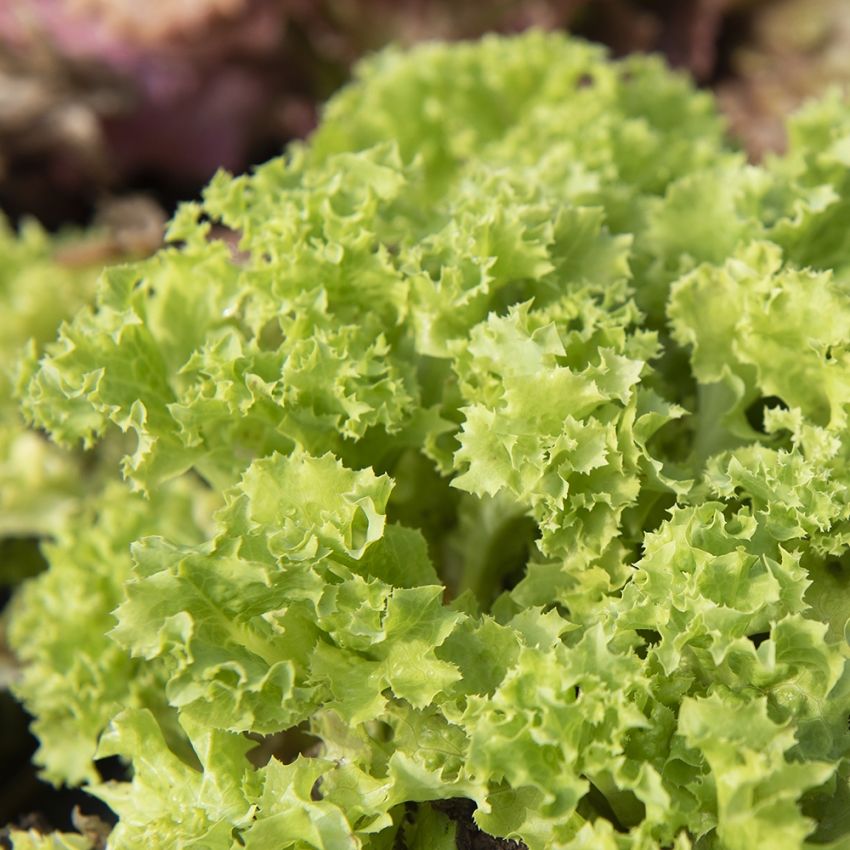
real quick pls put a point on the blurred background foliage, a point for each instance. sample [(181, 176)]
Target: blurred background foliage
[(106, 96)]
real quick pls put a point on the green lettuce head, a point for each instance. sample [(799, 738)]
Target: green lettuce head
[(505, 459)]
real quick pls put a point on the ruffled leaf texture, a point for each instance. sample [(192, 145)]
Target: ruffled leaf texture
[(526, 400), (39, 483)]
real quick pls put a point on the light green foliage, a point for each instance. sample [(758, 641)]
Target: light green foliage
[(33, 840), (37, 292), (74, 676), (524, 400), (39, 483)]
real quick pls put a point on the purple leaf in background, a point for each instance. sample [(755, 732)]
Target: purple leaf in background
[(100, 95), (194, 76)]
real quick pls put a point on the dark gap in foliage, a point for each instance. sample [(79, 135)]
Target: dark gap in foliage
[(595, 804), (641, 520), (673, 365), (32, 821), (756, 411), (285, 746), (20, 558), (758, 639), (732, 507), (513, 548), (26, 802), (502, 559), (559, 608), (828, 589), (674, 442), (650, 638), (674, 382), (423, 499), (19, 787), (469, 836), (836, 569), (409, 817), (113, 769)]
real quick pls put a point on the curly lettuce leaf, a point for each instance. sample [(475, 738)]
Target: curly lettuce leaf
[(526, 406), (74, 677)]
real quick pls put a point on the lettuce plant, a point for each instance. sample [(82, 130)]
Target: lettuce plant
[(505, 461), (39, 483), (44, 280)]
